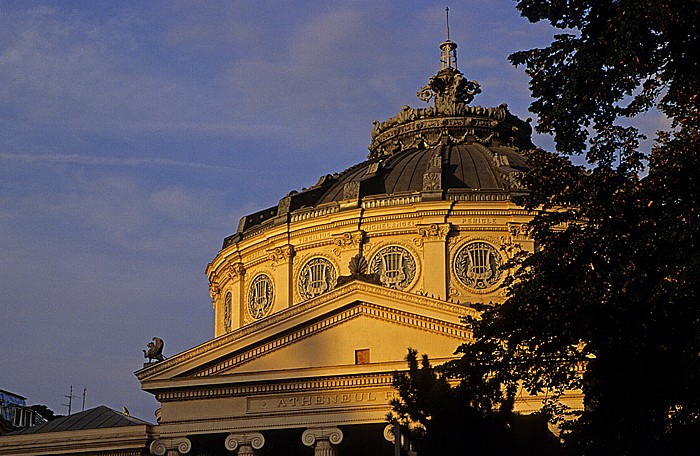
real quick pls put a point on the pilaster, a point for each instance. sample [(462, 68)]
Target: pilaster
[(235, 274), (435, 268), (282, 265), (323, 440)]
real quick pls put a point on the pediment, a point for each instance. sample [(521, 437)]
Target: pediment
[(320, 337)]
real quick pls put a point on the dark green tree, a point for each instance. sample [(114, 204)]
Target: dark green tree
[(613, 285), (444, 415), (609, 301)]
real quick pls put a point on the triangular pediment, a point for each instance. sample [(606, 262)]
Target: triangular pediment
[(320, 337)]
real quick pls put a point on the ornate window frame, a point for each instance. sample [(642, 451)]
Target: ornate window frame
[(228, 311), (486, 273), (261, 283), (318, 286), (394, 280)]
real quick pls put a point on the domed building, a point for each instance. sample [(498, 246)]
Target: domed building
[(317, 298)]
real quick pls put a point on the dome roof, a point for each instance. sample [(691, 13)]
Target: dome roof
[(467, 167), (447, 151)]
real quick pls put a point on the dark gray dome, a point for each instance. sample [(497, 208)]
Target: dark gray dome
[(448, 151), (469, 167)]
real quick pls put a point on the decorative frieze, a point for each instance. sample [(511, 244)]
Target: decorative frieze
[(320, 400)]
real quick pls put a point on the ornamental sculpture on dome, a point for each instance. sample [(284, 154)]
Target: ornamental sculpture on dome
[(449, 88), (450, 119)]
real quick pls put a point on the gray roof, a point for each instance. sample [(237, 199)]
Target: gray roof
[(97, 418)]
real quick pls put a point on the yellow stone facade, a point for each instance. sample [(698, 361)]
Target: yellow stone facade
[(318, 298), (432, 233)]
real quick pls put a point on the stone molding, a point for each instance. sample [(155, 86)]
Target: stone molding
[(131, 440), (170, 446), (235, 271), (318, 384), (371, 310), (285, 314)]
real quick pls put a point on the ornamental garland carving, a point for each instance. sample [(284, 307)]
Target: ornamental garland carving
[(477, 265), (395, 266), (317, 276)]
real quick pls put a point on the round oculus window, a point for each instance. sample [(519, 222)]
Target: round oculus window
[(395, 266), (317, 276), (477, 265), (260, 296)]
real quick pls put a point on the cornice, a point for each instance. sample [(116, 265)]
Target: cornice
[(337, 293), (371, 310), (120, 441), (325, 383)]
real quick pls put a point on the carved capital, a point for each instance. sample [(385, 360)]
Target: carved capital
[(247, 443), (235, 271), (349, 240), (214, 290), (323, 440), (281, 254), (170, 446), (434, 231), (518, 229)]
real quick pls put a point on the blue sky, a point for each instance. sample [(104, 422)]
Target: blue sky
[(134, 135)]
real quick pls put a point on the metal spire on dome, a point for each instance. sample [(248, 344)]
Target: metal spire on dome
[(448, 58)]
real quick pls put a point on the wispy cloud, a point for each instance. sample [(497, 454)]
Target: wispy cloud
[(104, 161)]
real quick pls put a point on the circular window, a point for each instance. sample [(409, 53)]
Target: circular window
[(395, 265), (260, 296), (317, 276), (478, 265), (228, 311)]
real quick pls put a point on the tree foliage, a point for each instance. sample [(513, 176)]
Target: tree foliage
[(613, 284), (609, 300), (442, 418)]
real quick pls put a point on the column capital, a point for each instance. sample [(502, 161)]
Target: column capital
[(255, 440), (170, 446), (434, 231), (312, 435)]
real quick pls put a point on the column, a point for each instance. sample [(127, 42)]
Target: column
[(247, 443), (323, 440), (170, 446)]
